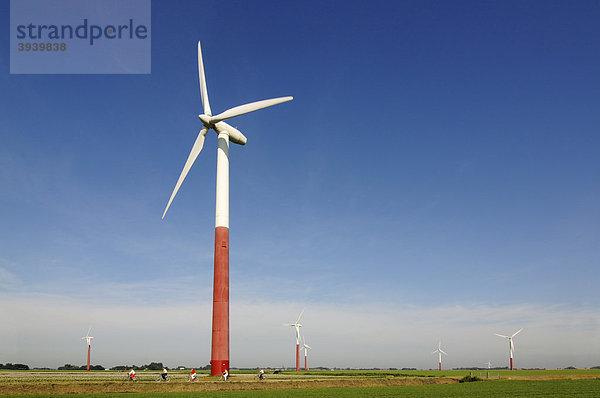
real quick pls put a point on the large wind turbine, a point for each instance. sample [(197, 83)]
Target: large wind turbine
[(511, 345), (88, 338), (306, 348), (440, 352), (297, 325), (220, 322)]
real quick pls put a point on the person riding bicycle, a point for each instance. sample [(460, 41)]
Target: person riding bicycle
[(225, 375), (164, 374), (131, 374), (193, 375), (261, 374)]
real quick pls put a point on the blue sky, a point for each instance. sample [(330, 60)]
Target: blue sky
[(435, 176)]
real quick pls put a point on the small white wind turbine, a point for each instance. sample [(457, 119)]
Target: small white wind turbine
[(226, 133), (439, 351), (306, 348), (88, 338), (511, 345), (297, 325), (489, 364)]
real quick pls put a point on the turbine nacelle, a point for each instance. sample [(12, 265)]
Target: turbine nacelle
[(234, 134)]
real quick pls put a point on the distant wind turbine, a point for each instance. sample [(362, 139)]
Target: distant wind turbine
[(88, 338), (297, 325), (489, 364), (440, 352), (511, 345), (220, 322), (306, 348)]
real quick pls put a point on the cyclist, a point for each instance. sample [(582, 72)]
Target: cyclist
[(225, 375), (164, 374), (261, 374), (131, 374), (193, 375)]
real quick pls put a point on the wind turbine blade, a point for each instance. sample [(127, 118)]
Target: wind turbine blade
[(501, 335), (202, 78), (88, 332), (251, 107), (307, 346), (188, 164), (302, 312), (443, 352), (516, 333)]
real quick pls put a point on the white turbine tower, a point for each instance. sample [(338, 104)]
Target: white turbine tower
[(226, 133), (511, 345), (88, 338), (440, 352), (489, 364), (306, 348), (297, 325)]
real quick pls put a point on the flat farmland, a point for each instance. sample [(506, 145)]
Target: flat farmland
[(547, 383)]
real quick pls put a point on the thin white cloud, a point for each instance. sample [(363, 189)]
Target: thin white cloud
[(8, 280), (46, 330)]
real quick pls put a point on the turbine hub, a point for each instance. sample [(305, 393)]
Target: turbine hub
[(205, 120)]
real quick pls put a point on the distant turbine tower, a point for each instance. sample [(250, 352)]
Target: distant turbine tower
[(220, 321), (439, 352), (306, 348), (489, 364), (511, 345), (297, 325), (88, 338)]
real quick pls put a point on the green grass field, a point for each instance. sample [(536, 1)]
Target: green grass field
[(489, 389), (450, 373)]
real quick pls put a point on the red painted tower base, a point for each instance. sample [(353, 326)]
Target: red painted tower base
[(305, 367), (440, 365), (88, 361), (511, 364), (220, 324), (297, 358)]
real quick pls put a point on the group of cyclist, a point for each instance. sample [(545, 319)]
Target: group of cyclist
[(193, 375), (164, 375)]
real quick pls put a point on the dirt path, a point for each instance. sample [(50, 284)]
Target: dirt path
[(94, 387)]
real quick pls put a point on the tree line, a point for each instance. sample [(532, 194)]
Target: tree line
[(14, 366), (155, 366), (150, 366), (68, 366)]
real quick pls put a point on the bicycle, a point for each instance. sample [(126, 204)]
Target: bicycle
[(159, 378), (222, 378), (192, 379), (128, 378), (260, 377)]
